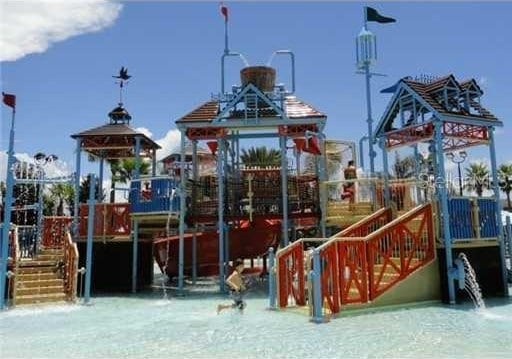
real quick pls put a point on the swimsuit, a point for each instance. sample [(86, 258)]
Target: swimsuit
[(237, 299)]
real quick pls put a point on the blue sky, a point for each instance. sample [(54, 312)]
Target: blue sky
[(173, 51)]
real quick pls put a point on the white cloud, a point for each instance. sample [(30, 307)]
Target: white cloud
[(144, 131), (169, 143), (28, 27), (53, 169)]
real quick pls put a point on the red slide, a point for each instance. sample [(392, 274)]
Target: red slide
[(249, 240)]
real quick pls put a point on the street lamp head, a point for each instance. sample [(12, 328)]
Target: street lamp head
[(40, 158), (463, 154), (450, 155)]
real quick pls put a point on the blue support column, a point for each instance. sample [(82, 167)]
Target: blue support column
[(441, 184), (317, 288), (90, 234), (385, 164), (322, 177), (509, 237), (183, 199), (135, 228), (497, 202), (271, 279), (4, 249), (40, 207), (76, 205), (195, 178), (135, 257), (100, 181), (153, 162), (220, 209), (226, 225), (284, 188), (417, 172), (369, 120)]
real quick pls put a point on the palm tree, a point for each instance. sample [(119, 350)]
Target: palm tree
[(261, 156), (122, 171), (505, 180), (477, 177), (62, 193)]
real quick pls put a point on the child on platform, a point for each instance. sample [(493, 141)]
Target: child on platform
[(237, 287)]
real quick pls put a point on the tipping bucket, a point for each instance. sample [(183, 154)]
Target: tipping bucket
[(263, 77)]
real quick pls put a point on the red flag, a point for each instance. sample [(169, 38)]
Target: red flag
[(9, 100), (224, 11)]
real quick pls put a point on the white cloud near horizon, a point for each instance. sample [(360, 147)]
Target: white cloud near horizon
[(169, 143), (28, 27), (54, 169)]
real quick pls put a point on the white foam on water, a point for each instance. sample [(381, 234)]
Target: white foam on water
[(36, 310)]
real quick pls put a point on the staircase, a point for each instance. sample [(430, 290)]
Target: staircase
[(357, 265), (39, 279)]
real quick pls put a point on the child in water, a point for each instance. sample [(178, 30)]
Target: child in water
[(236, 286)]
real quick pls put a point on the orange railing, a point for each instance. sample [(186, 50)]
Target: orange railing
[(355, 269), (399, 248), (367, 225), (54, 231), (291, 264), (110, 219), (71, 267)]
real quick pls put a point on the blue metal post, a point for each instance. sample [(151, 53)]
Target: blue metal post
[(40, 206), (284, 188), (135, 228), (417, 172), (220, 208), (361, 151), (90, 234), (369, 119), (76, 205), (509, 236), (135, 262), (386, 170), (4, 253), (195, 177), (153, 162), (322, 177), (497, 203), (317, 288), (183, 199), (271, 279), (226, 226), (100, 181), (445, 214)]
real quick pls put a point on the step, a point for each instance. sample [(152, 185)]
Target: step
[(37, 276), (39, 290), (40, 298), (51, 251), (30, 270), (36, 263), (49, 257), (24, 283)]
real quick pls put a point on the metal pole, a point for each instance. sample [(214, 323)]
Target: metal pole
[(509, 237), (76, 205), (220, 208), (4, 253), (496, 189), (284, 188), (100, 181), (135, 251), (361, 151), (90, 234), (183, 199), (369, 120), (460, 178), (417, 172), (445, 214), (271, 279), (136, 171), (153, 163), (317, 288), (386, 171), (195, 176), (322, 176), (226, 225)]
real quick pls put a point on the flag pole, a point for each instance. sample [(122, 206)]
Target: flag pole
[(226, 46), (369, 120), (7, 212), (365, 18)]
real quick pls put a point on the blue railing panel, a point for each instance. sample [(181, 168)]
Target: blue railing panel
[(159, 196), (488, 217), (461, 215)]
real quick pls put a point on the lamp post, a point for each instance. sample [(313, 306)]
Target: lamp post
[(458, 158)]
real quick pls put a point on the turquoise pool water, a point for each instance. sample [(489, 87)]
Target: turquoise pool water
[(147, 326)]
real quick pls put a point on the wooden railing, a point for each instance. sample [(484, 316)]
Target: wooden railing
[(357, 269), (291, 264), (54, 231), (110, 219), (368, 224), (71, 267), (399, 248)]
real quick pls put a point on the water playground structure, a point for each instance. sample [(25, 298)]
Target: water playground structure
[(325, 244)]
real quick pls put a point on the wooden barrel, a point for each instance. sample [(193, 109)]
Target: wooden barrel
[(263, 77)]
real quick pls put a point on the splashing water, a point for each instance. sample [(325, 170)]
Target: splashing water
[(471, 284)]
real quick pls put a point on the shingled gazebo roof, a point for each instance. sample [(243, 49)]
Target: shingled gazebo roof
[(115, 140), (294, 109)]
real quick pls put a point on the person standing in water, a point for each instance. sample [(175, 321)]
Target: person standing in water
[(236, 288)]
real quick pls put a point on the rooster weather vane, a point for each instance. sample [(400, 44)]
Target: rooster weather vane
[(122, 78)]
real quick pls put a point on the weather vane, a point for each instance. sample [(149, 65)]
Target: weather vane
[(122, 78)]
